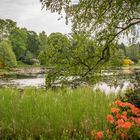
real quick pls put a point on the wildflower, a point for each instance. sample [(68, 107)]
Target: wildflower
[(119, 103), (115, 110), (136, 120), (124, 113), (123, 117), (110, 118), (118, 116), (99, 135), (126, 104), (120, 122), (135, 110), (127, 125)]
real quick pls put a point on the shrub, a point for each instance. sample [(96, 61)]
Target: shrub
[(123, 123), (7, 56), (133, 96), (127, 62)]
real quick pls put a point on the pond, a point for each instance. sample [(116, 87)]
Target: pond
[(110, 82), (36, 80)]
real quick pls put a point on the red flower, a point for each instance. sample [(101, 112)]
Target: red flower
[(110, 118), (135, 110), (123, 117), (126, 104), (119, 103), (136, 120), (124, 113), (120, 122), (99, 135), (118, 116), (127, 125), (115, 110)]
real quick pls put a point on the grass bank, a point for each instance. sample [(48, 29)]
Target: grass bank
[(61, 114)]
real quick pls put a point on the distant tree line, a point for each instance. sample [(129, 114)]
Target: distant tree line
[(67, 55), (19, 44)]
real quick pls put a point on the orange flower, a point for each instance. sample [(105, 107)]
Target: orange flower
[(119, 103), (110, 118), (126, 104), (120, 122), (126, 125), (123, 117), (99, 135), (135, 110), (124, 113), (136, 120), (115, 110), (118, 116)]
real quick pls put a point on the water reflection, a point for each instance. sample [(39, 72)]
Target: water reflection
[(34, 82), (120, 85), (24, 81)]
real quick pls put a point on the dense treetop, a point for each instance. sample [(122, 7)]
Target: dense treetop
[(105, 19), (112, 16)]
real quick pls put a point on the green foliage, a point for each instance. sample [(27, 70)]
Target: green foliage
[(43, 57), (28, 57), (57, 50), (133, 96), (76, 57), (18, 40), (2, 65), (6, 27), (33, 113), (133, 52), (115, 60), (101, 17), (56, 55), (7, 55), (33, 43), (43, 41), (107, 20)]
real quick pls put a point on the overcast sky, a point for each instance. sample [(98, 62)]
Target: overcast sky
[(28, 13)]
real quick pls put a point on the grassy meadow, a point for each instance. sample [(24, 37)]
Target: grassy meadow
[(64, 114)]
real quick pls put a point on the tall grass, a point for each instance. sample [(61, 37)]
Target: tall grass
[(60, 114)]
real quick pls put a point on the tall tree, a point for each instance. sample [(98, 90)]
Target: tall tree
[(18, 40), (33, 43), (133, 52), (42, 40), (74, 56), (6, 27), (7, 55), (106, 19)]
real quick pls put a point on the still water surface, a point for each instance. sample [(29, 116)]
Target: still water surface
[(38, 80)]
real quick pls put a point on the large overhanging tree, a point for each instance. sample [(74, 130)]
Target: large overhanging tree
[(106, 20)]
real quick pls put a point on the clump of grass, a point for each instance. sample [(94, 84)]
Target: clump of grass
[(60, 114)]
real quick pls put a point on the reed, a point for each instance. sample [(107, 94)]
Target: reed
[(54, 114)]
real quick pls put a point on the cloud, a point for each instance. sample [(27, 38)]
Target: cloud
[(28, 13)]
